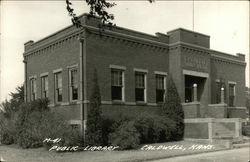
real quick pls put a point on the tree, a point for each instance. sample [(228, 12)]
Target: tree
[(17, 98), (8, 111), (172, 108), (94, 118), (97, 8)]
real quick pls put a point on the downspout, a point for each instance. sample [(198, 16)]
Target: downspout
[(83, 86), (25, 79)]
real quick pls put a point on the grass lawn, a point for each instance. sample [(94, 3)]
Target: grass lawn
[(13, 153)]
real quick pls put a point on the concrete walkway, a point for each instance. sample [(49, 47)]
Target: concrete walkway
[(234, 155)]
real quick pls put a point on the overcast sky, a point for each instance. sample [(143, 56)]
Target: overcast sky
[(226, 22)]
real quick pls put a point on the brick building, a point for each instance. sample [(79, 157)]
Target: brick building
[(132, 69)]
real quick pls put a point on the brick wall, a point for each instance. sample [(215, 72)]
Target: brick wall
[(237, 112), (217, 111), (191, 110), (130, 49), (60, 56), (113, 111), (184, 35), (229, 72), (104, 51)]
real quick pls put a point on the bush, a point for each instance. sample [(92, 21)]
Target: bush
[(110, 125), (154, 128), (94, 120), (107, 128), (72, 137), (125, 136), (6, 138), (172, 109), (38, 126), (28, 124), (36, 123), (7, 128), (246, 130)]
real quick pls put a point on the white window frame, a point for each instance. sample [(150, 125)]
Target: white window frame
[(43, 86), (33, 87), (70, 87), (145, 72), (122, 69), (56, 72), (164, 74)]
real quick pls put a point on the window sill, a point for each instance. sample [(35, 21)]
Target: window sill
[(159, 103), (142, 103), (58, 104), (73, 102), (118, 102)]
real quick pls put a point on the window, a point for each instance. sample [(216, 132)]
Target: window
[(160, 88), (58, 87), (33, 89), (218, 92), (140, 86), (45, 86), (231, 94), (117, 85), (73, 84)]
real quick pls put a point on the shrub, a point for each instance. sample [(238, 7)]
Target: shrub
[(41, 125), (36, 123), (154, 128), (172, 109), (109, 125), (8, 116), (107, 128), (30, 123), (164, 129), (94, 121), (246, 130), (72, 137), (125, 136), (7, 126), (144, 124)]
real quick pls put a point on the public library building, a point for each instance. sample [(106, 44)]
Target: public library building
[(132, 69)]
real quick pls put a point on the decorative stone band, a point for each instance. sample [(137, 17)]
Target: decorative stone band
[(38, 46), (160, 73), (231, 82), (190, 103), (227, 59), (195, 73), (57, 70), (117, 67), (141, 70), (78, 122), (244, 108), (72, 66), (33, 77), (44, 74), (104, 103)]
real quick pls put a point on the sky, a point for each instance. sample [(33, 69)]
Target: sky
[(227, 23)]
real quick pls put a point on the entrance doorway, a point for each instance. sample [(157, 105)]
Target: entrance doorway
[(190, 83)]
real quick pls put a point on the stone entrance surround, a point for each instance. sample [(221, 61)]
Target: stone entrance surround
[(213, 128)]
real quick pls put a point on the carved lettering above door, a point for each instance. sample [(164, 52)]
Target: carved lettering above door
[(193, 61)]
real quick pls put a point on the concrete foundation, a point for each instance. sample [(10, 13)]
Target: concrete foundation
[(213, 128)]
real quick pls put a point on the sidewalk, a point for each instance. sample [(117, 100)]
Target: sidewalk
[(158, 151)]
